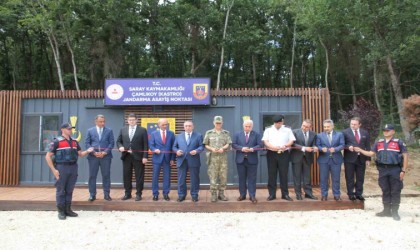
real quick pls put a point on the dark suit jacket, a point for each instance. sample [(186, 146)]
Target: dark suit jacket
[(337, 143), (105, 144), (297, 154), (350, 140), (155, 142), (254, 141), (139, 142), (196, 143)]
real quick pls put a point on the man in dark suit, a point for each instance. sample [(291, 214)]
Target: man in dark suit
[(354, 162), (330, 143), (101, 139), (160, 143), (302, 156), (247, 143), (188, 145), (133, 144)]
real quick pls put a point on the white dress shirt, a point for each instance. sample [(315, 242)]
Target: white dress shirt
[(278, 137)]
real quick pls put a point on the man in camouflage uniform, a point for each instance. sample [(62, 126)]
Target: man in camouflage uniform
[(217, 141)]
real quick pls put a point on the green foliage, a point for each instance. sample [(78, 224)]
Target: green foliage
[(369, 115), (183, 38)]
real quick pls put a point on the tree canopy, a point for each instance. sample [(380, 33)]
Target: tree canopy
[(356, 48)]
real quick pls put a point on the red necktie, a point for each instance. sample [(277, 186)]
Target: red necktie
[(163, 137), (357, 136)]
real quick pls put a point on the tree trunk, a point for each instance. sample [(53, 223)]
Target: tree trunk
[(194, 39), (56, 53), (353, 90), (335, 86), (76, 82), (293, 54), (192, 71), (327, 62), (396, 86), (254, 71), (303, 73), (376, 87), (223, 47)]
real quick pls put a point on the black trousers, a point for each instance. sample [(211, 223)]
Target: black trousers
[(391, 185), (278, 163), (355, 170), (128, 164)]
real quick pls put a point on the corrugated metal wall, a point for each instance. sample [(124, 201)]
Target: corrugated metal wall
[(314, 105)]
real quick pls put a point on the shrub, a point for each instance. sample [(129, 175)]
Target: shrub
[(412, 111), (368, 113)]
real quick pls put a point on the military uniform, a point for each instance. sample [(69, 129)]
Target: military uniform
[(62, 158), (65, 158), (389, 161), (217, 162)]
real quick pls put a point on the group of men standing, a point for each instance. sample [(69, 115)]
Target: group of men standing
[(283, 145)]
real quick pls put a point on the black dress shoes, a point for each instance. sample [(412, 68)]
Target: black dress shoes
[(310, 196), (299, 197), (181, 199), (359, 197), (324, 198), (166, 197), (126, 197), (138, 197), (352, 198), (286, 197), (155, 197), (241, 198), (107, 197), (194, 199), (253, 200), (271, 197), (92, 198), (337, 198)]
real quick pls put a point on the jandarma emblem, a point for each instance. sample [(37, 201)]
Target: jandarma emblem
[(200, 90)]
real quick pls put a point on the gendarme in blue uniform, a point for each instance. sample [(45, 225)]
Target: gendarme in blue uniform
[(389, 161), (65, 157)]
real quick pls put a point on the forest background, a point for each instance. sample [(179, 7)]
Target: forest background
[(361, 50)]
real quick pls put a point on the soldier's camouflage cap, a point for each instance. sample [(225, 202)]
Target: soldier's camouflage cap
[(218, 119)]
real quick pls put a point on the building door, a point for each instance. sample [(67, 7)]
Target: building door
[(203, 121)]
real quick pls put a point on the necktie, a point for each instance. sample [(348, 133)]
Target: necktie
[(163, 137), (329, 137), (100, 133), (356, 134), (131, 133), (306, 138), (246, 137), (188, 138)]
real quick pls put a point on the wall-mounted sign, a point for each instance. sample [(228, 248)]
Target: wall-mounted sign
[(153, 91)]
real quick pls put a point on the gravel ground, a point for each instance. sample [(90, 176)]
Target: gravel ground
[(344, 229)]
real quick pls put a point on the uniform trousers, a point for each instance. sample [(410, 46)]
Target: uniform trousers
[(278, 163), (391, 185), (65, 183), (217, 171)]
